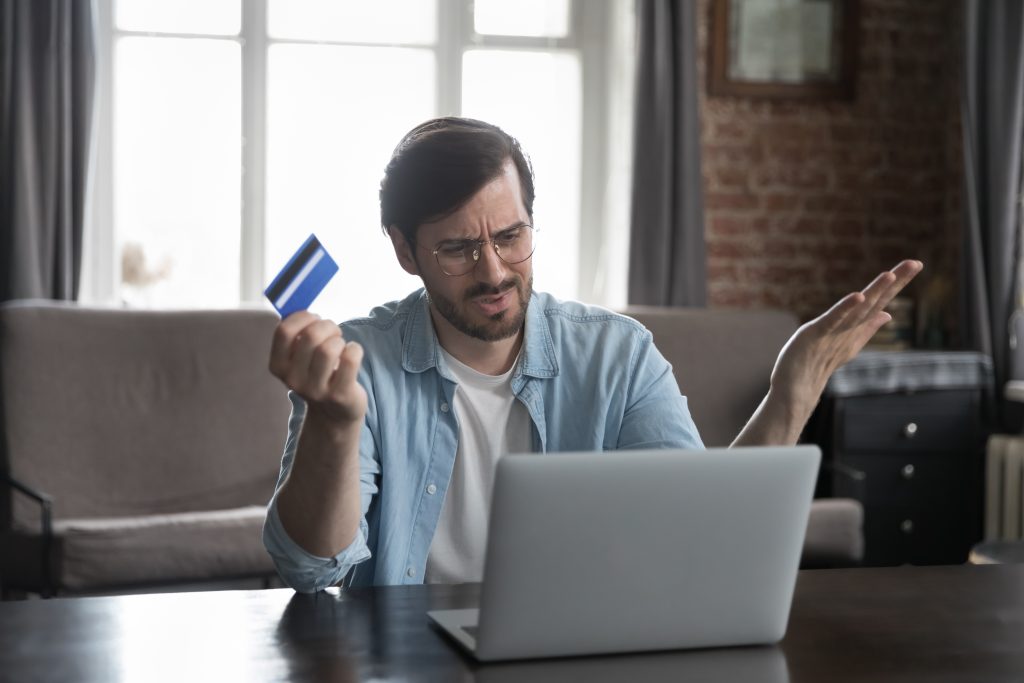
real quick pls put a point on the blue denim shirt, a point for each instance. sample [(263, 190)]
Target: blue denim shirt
[(590, 379)]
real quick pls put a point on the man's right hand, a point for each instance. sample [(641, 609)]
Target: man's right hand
[(318, 503), (310, 356)]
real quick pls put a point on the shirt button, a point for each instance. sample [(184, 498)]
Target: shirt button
[(410, 572), (444, 407), (432, 489)]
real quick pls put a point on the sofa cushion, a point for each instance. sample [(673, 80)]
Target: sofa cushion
[(120, 413), (94, 554)]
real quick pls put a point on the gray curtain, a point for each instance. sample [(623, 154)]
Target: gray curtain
[(667, 265), (993, 133), (47, 64)]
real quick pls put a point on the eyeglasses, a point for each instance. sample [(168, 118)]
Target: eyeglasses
[(512, 245)]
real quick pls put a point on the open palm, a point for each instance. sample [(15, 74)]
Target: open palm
[(820, 346)]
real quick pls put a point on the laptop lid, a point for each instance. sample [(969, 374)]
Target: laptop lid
[(644, 550)]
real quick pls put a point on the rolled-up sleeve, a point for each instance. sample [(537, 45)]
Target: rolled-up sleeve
[(303, 571)]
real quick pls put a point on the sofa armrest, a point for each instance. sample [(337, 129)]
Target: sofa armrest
[(835, 534), (44, 500), (46, 513)]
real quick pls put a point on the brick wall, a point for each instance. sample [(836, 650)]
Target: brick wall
[(806, 201)]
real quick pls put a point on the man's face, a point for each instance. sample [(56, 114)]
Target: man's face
[(488, 303)]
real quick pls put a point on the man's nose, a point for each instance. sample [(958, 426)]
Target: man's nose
[(490, 268)]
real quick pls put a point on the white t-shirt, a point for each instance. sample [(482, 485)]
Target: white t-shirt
[(492, 423)]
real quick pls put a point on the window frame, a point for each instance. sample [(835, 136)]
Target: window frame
[(590, 33)]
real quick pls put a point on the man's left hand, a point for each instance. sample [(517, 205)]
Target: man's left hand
[(820, 346)]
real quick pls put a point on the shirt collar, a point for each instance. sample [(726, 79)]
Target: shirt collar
[(420, 347), (421, 350), (538, 354)]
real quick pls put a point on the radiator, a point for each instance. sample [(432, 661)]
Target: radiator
[(1004, 488)]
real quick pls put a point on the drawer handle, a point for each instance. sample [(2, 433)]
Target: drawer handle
[(907, 526), (910, 430), (907, 472)]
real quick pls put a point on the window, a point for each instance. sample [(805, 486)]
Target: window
[(228, 130)]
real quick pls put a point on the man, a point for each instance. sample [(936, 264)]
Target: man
[(399, 419)]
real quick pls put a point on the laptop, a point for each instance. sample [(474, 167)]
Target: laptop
[(627, 551)]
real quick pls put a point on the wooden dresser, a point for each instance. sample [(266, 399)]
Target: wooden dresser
[(903, 432)]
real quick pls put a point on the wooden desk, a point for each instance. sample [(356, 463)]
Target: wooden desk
[(963, 623)]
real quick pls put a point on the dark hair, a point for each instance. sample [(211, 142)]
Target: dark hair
[(440, 164)]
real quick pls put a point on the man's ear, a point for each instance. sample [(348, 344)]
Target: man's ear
[(403, 250)]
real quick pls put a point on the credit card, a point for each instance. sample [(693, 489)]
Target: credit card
[(302, 279)]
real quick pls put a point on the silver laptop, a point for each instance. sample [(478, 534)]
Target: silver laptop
[(620, 551)]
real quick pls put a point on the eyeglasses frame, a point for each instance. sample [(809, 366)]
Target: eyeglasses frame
[(478, 251)]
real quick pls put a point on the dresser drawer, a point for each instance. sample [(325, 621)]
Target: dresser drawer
[(902, 534), (946, 421), (906, 479)]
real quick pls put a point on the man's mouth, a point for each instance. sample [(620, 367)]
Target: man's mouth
[(493, 304)]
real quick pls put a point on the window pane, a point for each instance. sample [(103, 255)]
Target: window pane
[(380, 21), (535, 97), (335, 114), (177, 170), (544, 18), (217, 17)]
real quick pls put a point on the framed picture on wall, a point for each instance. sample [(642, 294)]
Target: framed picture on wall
[(786, 49)]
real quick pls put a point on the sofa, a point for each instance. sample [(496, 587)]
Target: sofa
[(137, 448), (722, 360)]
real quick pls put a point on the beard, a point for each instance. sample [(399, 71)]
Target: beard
[(499, 326)]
